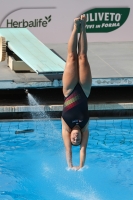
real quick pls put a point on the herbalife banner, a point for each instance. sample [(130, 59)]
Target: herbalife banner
[(52, 21)]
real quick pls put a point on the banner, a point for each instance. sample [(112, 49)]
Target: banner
[(52, 21)]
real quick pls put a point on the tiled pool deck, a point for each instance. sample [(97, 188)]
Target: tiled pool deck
[(52, 108)]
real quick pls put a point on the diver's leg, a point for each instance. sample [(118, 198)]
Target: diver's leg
[(85, 78), (70, 76)]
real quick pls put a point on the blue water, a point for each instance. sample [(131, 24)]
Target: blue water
[(33, 165)]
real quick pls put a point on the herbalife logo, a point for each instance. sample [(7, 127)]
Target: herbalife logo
[(105, 19), (23, 24)]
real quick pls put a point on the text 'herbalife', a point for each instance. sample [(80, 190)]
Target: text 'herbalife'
[(23, 24)]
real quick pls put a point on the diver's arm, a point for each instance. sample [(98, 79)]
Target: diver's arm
[(66, 138), (67, 143), (83, 148), (69, 158)]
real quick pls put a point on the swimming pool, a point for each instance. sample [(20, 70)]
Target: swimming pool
[(33, 165)]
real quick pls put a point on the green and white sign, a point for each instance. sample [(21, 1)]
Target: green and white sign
[(99, 20)]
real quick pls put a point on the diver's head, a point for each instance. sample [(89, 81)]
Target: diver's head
[(76, 136)]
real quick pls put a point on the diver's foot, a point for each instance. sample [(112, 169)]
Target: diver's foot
[(83, 20), (77, 22)]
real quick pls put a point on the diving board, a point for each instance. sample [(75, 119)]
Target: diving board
[(33, 52)]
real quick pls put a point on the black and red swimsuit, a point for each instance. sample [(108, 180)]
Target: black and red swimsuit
[(75, 109)]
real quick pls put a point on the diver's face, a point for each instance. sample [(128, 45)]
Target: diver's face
[(75, 136)]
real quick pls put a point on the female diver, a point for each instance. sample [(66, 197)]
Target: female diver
[(76, 89)]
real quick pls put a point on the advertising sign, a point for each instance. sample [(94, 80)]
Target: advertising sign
[(105, 19), (52, 21)]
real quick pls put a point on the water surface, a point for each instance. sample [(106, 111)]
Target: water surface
[(33, 165)]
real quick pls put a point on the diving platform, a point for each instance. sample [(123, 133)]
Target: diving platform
[(26, 53)]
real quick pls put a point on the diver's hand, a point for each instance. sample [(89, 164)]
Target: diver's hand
[(76, 168)]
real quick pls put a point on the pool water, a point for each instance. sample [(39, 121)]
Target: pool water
[(33, 165)]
